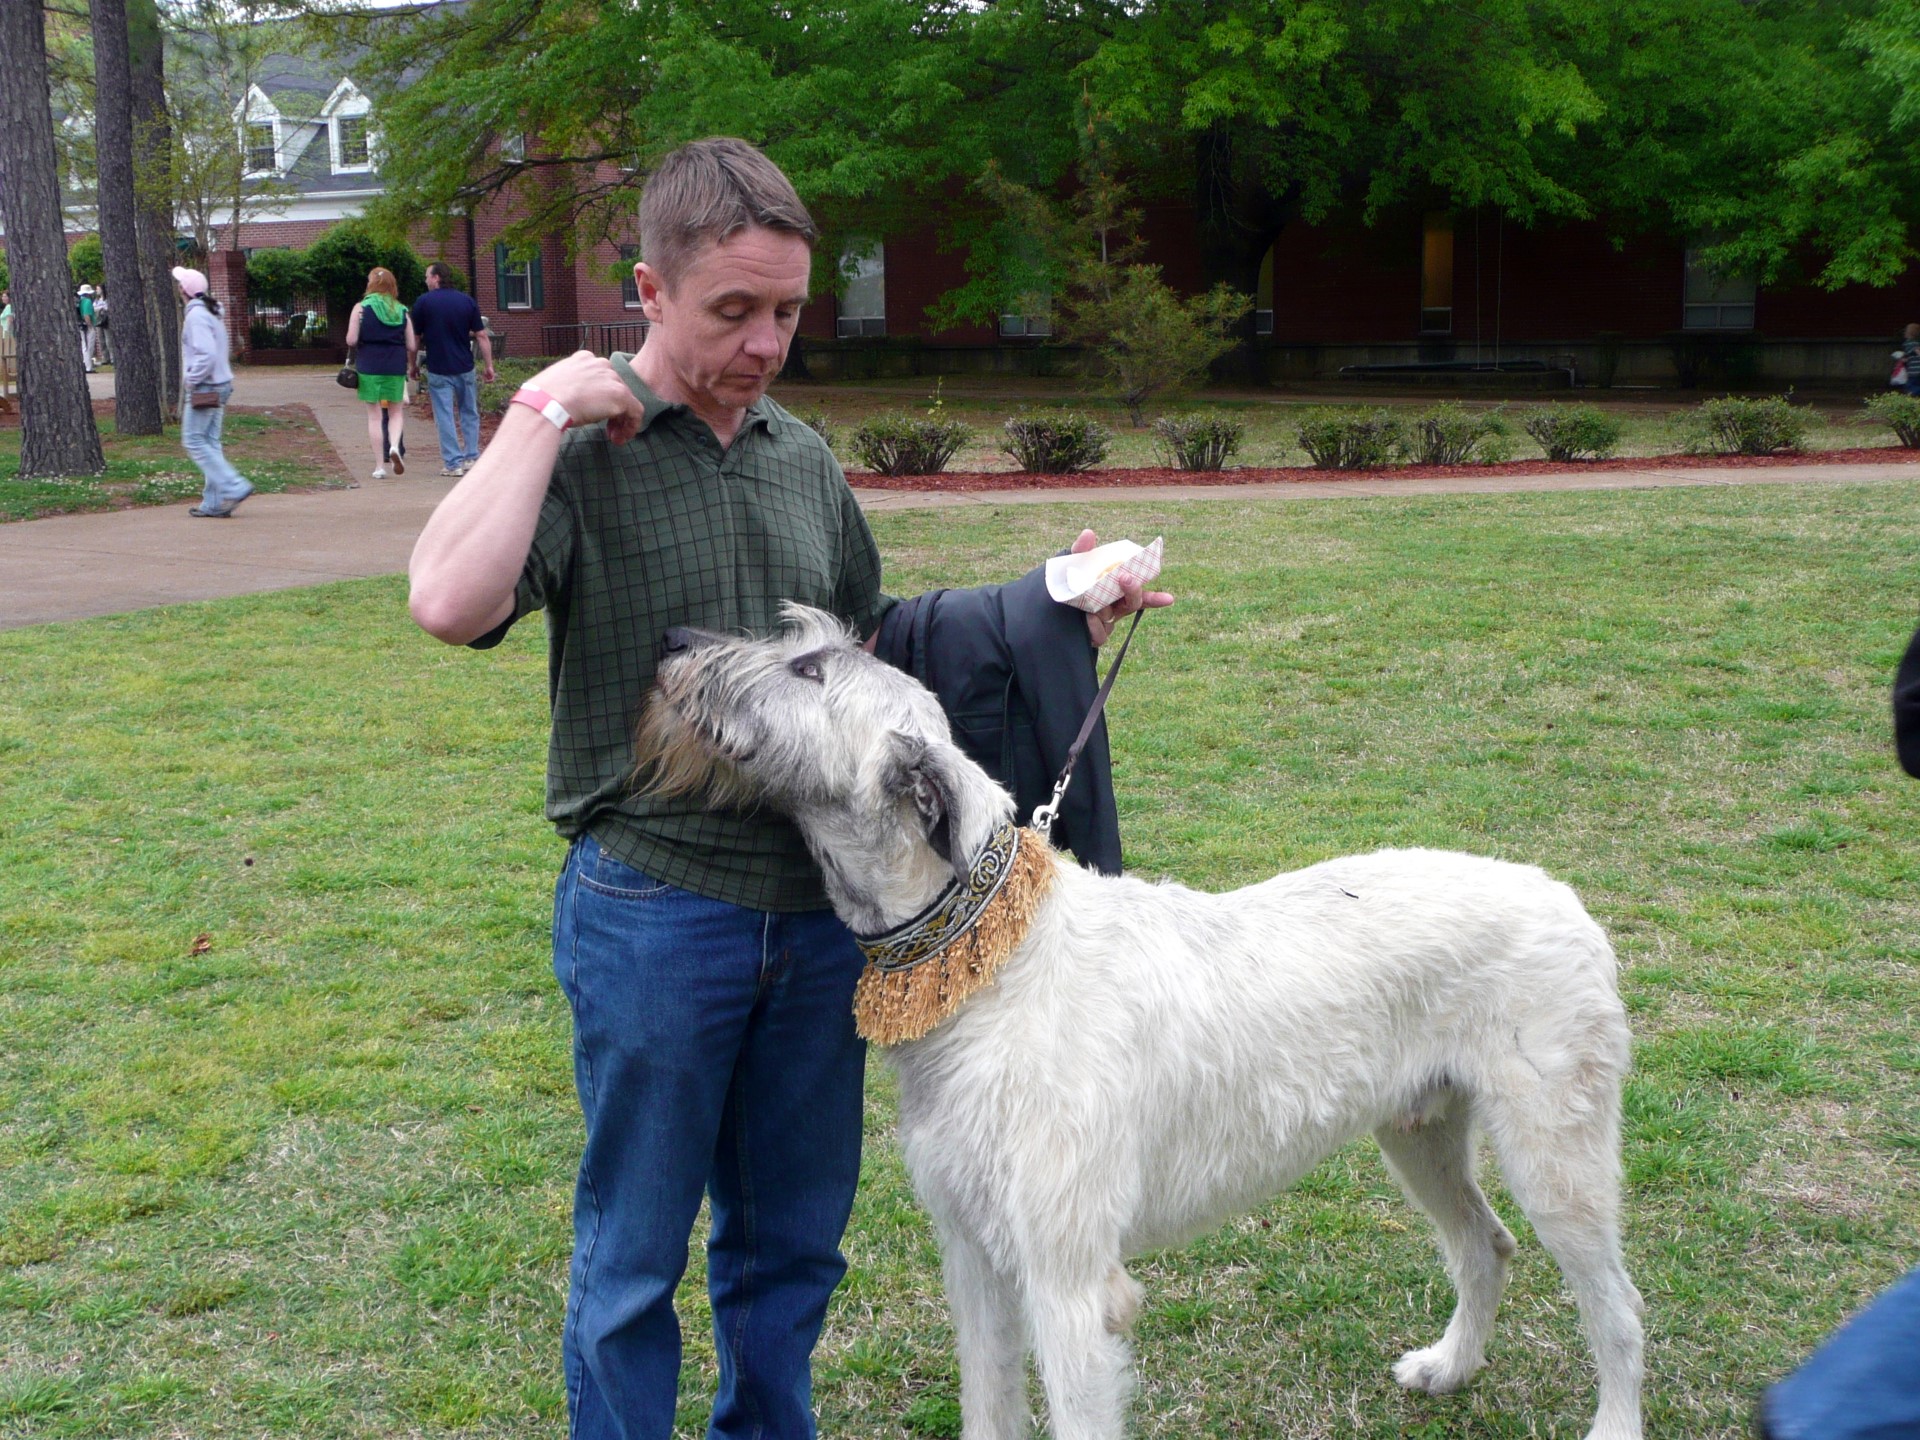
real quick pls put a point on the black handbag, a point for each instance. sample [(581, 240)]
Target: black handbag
[(348, 378)]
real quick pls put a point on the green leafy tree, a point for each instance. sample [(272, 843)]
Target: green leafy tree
[(1764, 123), (86, 261), (1775, 130), (280, 276), (338, 262), (1144, 339)]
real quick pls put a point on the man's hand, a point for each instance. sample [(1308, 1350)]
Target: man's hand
[(1133, 596), (592, 390), (487, 374)]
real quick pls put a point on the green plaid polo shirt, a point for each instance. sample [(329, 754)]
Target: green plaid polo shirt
[(669, 529)]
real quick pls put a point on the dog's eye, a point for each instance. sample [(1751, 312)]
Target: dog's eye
[(808, 669)]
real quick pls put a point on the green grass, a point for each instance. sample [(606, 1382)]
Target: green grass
[(154, 470), (310, 1174)]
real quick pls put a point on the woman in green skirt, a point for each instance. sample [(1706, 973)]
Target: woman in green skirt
[(381, 336)]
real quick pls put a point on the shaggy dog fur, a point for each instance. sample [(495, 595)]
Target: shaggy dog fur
[(1152, 1059)]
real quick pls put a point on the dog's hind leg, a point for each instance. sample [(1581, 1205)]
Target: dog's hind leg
[(1559, 1146), (1432, 1158), (989, 1336)]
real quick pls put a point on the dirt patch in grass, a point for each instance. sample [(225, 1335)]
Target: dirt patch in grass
[(1251, 475)]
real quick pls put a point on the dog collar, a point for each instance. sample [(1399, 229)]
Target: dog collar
[(920, 972)]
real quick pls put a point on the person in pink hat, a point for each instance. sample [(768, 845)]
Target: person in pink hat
[(209, 380)]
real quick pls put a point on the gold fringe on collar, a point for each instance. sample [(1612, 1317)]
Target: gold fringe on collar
[(922, 972)]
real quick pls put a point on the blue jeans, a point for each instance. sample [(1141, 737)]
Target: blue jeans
[(456, 415), (200, 435), (714, 1052)]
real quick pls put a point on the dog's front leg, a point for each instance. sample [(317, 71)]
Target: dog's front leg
[(989, 1336), (1080, 1344)]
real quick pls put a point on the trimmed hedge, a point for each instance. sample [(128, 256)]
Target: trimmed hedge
[(1572, 432), (902, 445), (1198, 442), (1056, 444), (1344, 440)]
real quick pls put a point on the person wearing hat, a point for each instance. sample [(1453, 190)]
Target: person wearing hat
[(83, 308), (209, 379)]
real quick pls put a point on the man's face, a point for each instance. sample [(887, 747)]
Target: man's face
[(725, 325)]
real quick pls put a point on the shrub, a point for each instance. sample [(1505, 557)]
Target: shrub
[(1736, 425), (1339, 440), (1572, 432), (278, 276), (1450, 434), (1198, 442), (902, 445), (1056, 444), (1899, 413), (818, 421)]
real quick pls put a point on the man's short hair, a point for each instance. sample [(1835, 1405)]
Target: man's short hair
[(707, 190), (439, 272)]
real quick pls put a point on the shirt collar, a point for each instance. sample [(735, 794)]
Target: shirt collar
[(763, 412)]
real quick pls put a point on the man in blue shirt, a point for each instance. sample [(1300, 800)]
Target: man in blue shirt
[(446, 322)]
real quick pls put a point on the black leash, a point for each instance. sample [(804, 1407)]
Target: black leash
[(1043, 818)]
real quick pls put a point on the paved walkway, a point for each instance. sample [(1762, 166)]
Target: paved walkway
[(75, 566)]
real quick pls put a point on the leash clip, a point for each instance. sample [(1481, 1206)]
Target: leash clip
[(1043, 816)]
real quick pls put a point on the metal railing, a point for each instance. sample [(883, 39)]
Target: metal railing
[(601, 337), (565, 339)]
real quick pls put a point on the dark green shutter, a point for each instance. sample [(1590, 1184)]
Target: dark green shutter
[(534, 286)]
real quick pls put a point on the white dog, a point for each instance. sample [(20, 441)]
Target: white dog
[(1145, 1060)]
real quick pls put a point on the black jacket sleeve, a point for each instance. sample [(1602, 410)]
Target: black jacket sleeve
[(1014, 670), (1906, 708)]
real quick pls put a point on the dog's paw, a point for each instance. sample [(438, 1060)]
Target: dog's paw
[(1435, 1370)]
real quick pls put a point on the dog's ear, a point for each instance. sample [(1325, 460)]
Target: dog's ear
[(920, 773)]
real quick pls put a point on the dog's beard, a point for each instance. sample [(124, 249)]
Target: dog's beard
[(674, 756)]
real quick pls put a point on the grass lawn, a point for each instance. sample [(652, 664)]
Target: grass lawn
[(277, 449), (286, 1123)]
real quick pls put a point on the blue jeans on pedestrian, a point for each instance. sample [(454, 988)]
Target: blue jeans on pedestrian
[(456, 415), (200, 435), (714, 1052)]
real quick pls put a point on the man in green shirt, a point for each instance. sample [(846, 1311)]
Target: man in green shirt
[(711, 988)]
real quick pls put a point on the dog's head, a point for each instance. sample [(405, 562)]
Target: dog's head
[(810, 724)]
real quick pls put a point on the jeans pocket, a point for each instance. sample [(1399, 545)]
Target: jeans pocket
[(605, 875)]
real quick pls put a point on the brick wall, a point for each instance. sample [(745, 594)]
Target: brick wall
[(227, 283)]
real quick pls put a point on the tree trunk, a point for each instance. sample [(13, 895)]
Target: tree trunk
[(1236, 218), (57, 433), (136, 378), (154, 191)]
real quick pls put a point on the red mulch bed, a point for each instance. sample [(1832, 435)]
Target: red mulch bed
[(1021, 480)]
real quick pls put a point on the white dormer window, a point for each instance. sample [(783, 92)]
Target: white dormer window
[(350, 149), (260, 137), (349, 129), (262, 147)]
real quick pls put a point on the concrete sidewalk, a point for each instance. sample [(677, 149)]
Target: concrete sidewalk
[(76, 566)]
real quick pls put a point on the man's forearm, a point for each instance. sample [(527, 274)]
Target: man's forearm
[(470, 555), (486, 348)]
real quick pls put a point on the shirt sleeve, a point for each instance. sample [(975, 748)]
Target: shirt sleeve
[(546, 577)]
